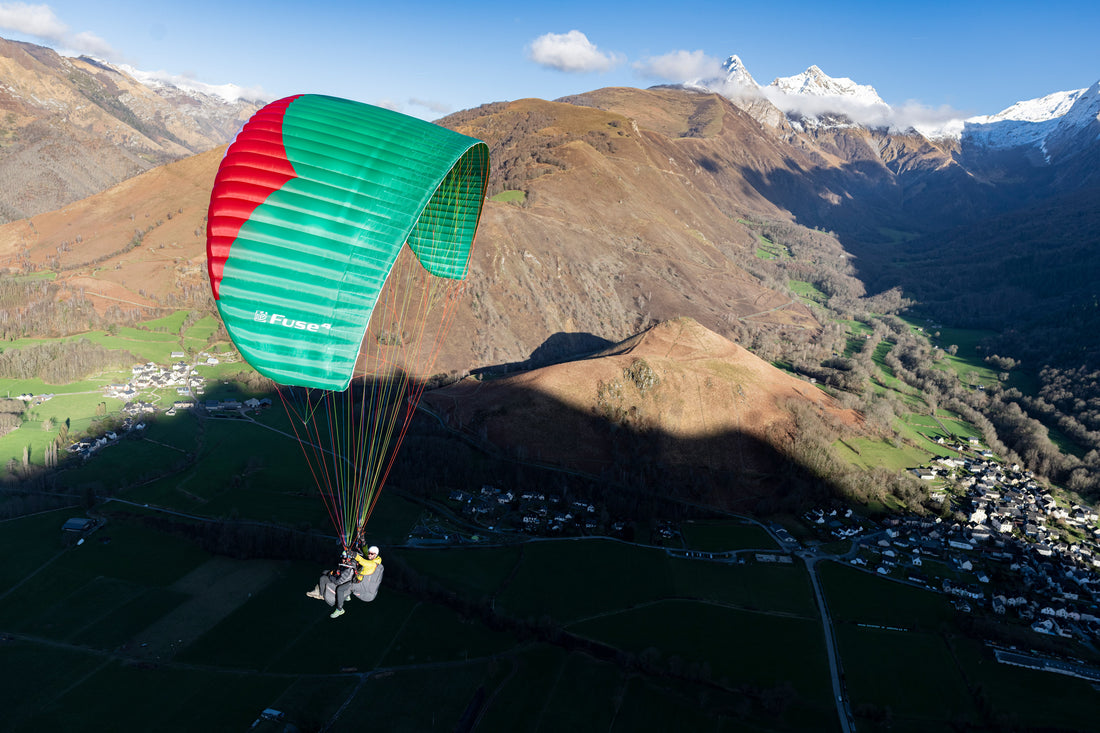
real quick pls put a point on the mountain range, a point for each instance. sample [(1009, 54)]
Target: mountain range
[(679, 170), (813, 98), (987, 164), (71, 127), (624, 208)]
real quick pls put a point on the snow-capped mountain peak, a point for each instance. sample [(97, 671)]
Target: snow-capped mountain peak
[(816, 83), (737, 82), (738, 75), (1034, 110), (813, 99), (228, 93), (1036, 122)]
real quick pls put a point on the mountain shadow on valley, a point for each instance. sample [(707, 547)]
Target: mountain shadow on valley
[(559, 347), (633, 471)]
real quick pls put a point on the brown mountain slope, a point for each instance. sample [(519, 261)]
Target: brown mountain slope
[(136, 244), (830, 177), (72, 127), (678, 398), (624, 224)]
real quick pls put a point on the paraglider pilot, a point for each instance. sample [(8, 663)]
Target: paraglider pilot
[(355, 574)]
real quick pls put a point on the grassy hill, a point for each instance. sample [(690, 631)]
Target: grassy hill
[(677, 402)]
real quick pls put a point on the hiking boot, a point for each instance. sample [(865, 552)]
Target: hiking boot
[(315, 594), (337, 613)]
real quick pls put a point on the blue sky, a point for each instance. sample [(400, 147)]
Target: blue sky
[(429, 58)]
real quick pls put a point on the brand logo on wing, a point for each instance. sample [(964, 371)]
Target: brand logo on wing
[(278, 319)]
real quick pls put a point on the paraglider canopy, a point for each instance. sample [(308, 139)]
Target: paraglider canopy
[(309, 211), (309, 216)]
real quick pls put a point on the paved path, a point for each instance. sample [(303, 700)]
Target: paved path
[(830, 645)]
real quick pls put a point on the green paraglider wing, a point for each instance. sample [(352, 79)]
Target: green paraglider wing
[(309, 211)]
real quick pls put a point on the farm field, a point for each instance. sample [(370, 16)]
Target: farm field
[(211, 640), (723, 536), (807, 292), (903, 646), (916, 429)]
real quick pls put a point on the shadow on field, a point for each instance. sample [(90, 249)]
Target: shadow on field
[(511, 424)]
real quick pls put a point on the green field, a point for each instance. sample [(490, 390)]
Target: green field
[(766, 249), (808, 292), (913, 443), (84, 648), (721, 536), (510, 197), (855, 596), (871, 452), (144, 612), (78, 403), (901, 672), (737, 647)]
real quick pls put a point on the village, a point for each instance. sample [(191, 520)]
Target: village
[(141, 398), (1011, 548)]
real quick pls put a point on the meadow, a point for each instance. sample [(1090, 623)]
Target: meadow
[(135, 610), (82, 408), (83, 649), (139, 627)]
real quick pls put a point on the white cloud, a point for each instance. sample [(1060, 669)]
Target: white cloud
[(40, 21), (92, 45), (810, 105), (679, 65), (933, 122), (916, 113), (34, 20), (571, 52), (430, 105)]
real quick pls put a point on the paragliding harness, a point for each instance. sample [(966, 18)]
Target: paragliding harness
[(347, 562), (347, 580), (365, 587)]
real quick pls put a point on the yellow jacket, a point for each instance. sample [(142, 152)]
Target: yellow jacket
[(367, 566)]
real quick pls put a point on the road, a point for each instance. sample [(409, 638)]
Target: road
[(842, 711)]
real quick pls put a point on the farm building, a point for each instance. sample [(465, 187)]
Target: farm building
[(77, 524)]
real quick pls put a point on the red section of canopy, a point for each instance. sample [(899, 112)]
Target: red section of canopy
[(254, 167)]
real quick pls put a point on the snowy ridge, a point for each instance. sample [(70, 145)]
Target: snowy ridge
[(162, 81), (812, 98), (815, 99), (228, 93), (1027, 123), (814, 82), (1040, 123)]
